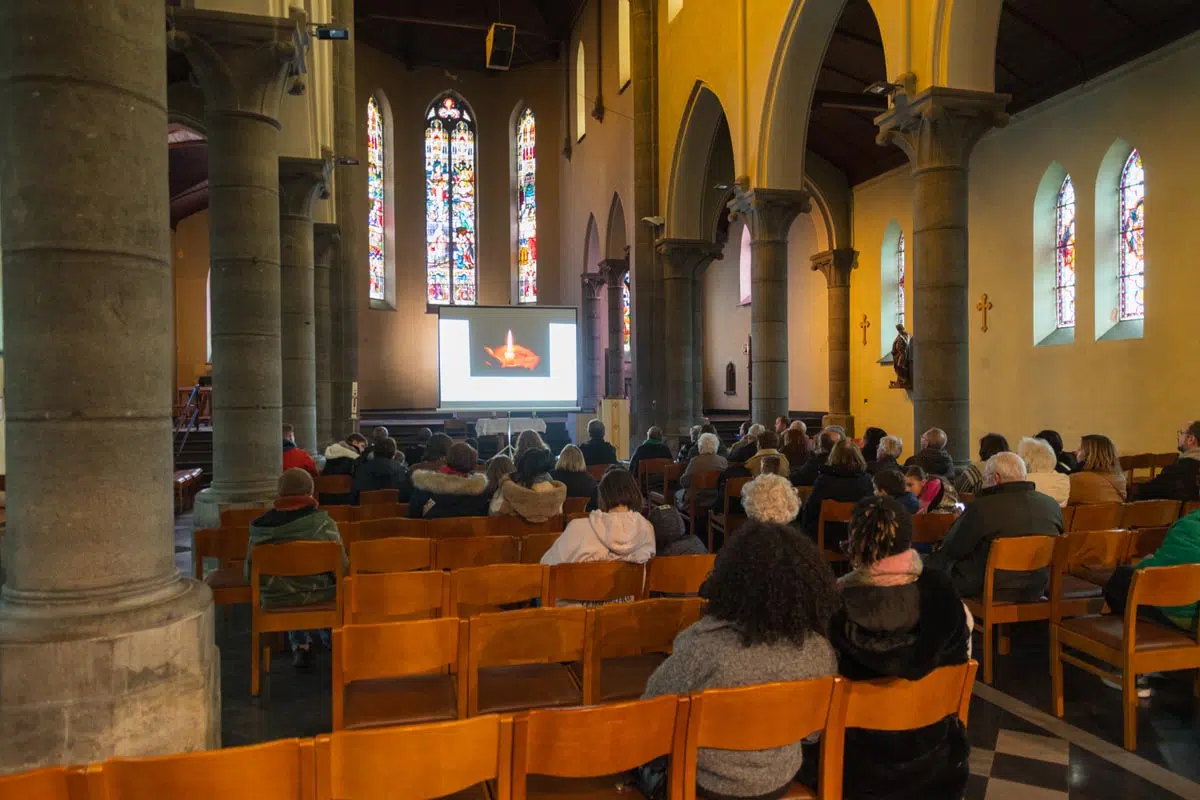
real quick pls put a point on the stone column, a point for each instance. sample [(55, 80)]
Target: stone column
[(349, 131), (937, 130), (244, 65), (614, 270), (325, 244), (682, 260), (104, 648), (769, 213), (836, 266), (301, 182), (593, 382)]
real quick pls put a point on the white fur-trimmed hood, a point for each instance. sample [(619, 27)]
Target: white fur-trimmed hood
[(432, 482)]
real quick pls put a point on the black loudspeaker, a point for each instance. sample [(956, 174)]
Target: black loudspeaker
[(500, 40)]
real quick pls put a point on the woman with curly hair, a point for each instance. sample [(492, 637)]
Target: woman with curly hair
[(770, 597)]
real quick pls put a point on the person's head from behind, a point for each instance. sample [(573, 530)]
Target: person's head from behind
[(879, 527), (915, 479), (498, 468), (890, 446), (781, 424), (708, 444), (667, 524), (1004, 468), (529, 440), (795, 440), (1189, 436), (357, 441), (768, 440), (798, 425), (770, 465), (386, 449), (889, 483), (770, 583), (934, 439), (1052, 438), (462, 458), (846, 454), (289, 433), (533, 466), (826, 441), (743, 429), (695, 432), (990, 444), (423, 435), (1037, 454), (571, 460), (770, 498), (756, 431), (295, 482), (708, 427), (379, 434), (619, 491), (870, 442), (654, 434), (595, 429), (1097, 453), (438, 448)]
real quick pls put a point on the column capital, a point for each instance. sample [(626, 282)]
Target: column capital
[(614, 269), (243, 62), (770, 212), (301, 182), (836, 265), (939, 127), (593, 285), (686, 258), (327, 236)]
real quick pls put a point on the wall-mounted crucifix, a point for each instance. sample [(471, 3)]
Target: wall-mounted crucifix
[(866, 323), (984, 305)]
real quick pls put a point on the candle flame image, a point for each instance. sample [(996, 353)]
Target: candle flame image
[(508, 349), (512, 355)]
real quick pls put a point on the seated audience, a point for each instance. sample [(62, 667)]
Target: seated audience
[(378, 434), (1042, 468), (870, 445), (531, 493), (1100, 478), (736, 469), (436, 450), (615, 532), (890, 483), (897, 620), (795, 447), (296, 518), (453, 490), (887, 455), (768, 446), (1066, 461), (970, 479), (705, 460), (748, 445), (771, 498), (386, 470), (806, 474), (770, 598), (1007, 506), (498, 470), (781, 425), (1181, 480), (295, 457), (571, 471), (707, 427), (933, 492), (686, 446), (529, 440), (670, 536), (415, 453), (596, 451), (799, 425), (655, 446), (342, 457), (843, 479), (932, 457), (1181, 546)]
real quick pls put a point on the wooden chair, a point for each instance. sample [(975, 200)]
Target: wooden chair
[(364, 513), (574, 515), (348, 531), (294, 559), (241, 517), (1149, 514), (518, 660), (725, 522), (515, 526), (700, 482), (1131, 464), (458, 527), (476, 551), (678, 575), (832, 512), (392, 526), (478, 590), (966, 498), (1137, 646), (52, 783), (804, 493), (333, 484), (583, 752), (421, 762), (670, 473), (396, 596), (1160, 460), (397, 554), (399, 673), (749, 718), (576, 505), (595, 582), (1190, 507), (373, 497), (536, 545), (341, 514), (649, 472), (930, 528), (1096, 517), (227, 545), (1144, 542), (281, 770), (627, 643), (597, 470), (1068, 515), (1091, 556)]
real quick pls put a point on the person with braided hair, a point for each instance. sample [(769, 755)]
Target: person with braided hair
[(897, 620)]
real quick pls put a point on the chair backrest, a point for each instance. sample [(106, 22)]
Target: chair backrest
[(599, 741), (341, 514), (574, 515), (894, 704), (457, 527), (1190, 507), (281, 770), (536, 545), (396, 596), (930, 528), (650, 473), (573, 505), (477, 590), (1149, 513), (748, 718), (597, 470), (378, 496), (633, 629), (392, 526), (705, 479), (515, 526), (1094, 549), (428, 761), (364, 512), (832, 511), (476, 551), (333, 484), (53, 783), (595, 582), (1068, 515), (224, 544), (531, 636), (678, 574), (1160, 460), (1097, 517), (1016, 554), (733, 490), (398, 554), (295, 559), (241, 517), (804, 493), (1163, 586), (1145, 542)]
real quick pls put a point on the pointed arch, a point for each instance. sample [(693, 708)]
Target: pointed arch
[(617, 238), (1121, 264), (690, 188), (451, 165), (381, 260), (592, 254), (1053, 282)]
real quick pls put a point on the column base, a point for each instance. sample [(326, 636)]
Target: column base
[(149, 683), (207, 510), (845, 421)]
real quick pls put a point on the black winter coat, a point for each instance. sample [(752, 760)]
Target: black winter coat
[(1179, 481), (437, 495), (843, 484), (883, 464), (380, 473), (647, 450), (597, 452), (579, 484), (934, 462), (806, 474)]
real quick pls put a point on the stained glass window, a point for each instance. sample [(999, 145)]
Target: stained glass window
[(377, 257), (625, 307), (526, 208), (1064, 255), (449, 203), (900, 274), (1132, 267)]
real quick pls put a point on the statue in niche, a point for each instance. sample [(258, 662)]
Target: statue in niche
[(902, 359)]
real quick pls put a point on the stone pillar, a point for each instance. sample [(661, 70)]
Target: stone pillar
[(614, 270), (937, 130), (105, 649), (698, 344), (769, 213), (593, 382), (682, 259), (325, 244), (349, 131), (244, 65), (301, 182), (836, 266)]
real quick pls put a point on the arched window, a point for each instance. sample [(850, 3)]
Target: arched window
[(626, 309), (893, 272), (673, 8), (450, 276), (745, 282), (900, 276), (1131, 268), (526, 208), (376, 236), (1064, 255), (580, 92), (624, 61)]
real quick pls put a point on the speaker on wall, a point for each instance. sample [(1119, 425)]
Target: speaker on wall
[(500, 40)]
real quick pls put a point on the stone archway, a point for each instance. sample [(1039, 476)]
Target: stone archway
[(698, 145), (616, 240)]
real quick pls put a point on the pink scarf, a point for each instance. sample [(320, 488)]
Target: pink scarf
[(898, 570)]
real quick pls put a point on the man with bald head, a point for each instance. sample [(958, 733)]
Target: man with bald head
[(932, 457)]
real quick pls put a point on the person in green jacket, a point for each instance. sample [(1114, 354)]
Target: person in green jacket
[(1181, 546), (296, 518)]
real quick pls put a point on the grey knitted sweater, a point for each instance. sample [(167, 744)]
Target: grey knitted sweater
[(710, 655)]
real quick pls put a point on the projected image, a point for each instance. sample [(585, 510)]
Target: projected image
[(513, 356), (517, 345)]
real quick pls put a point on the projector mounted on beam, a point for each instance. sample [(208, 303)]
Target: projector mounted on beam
[(500, 40)]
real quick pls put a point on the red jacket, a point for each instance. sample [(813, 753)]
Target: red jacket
[(296, 458)]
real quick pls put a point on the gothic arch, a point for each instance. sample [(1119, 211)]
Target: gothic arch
[(963, 44), (592, 254), (690, 187), (617, 238)]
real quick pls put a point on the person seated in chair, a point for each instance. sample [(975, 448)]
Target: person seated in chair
[(890, 483), (655, 446), (932, 457), (436, 450), (1181, 480), (453, 490), (341, 458), (844, 480), (415, 454), (806, 474), (615, 532), (293, 456), (670, 535), (768, 446), (531, 493), (596, 451), (386, 470)]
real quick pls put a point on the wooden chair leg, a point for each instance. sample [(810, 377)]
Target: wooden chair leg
[(1130, 702), (1056, 672), (1004, 647), (987, 652), (254, 663)]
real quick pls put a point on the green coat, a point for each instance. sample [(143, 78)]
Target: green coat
[(301, 525), (1182, 546)]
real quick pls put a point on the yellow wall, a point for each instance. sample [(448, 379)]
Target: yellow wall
[(189, 258)]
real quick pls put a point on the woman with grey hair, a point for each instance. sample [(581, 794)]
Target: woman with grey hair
[(771, 498), (1042, 466), (887, 455), (706, 460)]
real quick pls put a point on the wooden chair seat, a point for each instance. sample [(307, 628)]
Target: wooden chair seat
[(798, 791), (227, 579), (1075, 588), (609, 787), (1109, 631), (410, 700), (525, 686), (624, 678)]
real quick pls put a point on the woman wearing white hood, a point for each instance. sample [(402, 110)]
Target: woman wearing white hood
[(617, 532)]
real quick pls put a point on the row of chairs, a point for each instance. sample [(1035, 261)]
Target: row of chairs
[(579, 751), (379, 512)]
